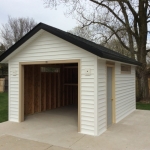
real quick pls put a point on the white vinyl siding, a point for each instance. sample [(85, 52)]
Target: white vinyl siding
[(125, 92), (48, 47), (101, 96)]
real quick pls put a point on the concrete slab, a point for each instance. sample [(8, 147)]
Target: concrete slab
[(57, 148), (132, 133), (8, 142), (58, 128)]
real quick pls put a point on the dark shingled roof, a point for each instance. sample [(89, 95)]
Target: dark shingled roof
[(78, 41)]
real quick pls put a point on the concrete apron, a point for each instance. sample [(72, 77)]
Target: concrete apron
[(132, 133)]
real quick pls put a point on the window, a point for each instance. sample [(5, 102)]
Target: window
[(125, 68), (49, 69)]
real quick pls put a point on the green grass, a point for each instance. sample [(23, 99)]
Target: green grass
[(3, 107), (142, 106)]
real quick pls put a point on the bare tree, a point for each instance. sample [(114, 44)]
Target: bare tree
[(2, 49), (15, 29), (91, 35), (85, 33), (82, 32), (2, 66), (127, 20), (115, 45)]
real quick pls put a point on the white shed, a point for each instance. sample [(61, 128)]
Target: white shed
[(50, 68)]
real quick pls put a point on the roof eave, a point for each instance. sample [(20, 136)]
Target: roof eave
[(107, 56)]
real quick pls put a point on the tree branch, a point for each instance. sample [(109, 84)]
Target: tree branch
[(115, 33), (110, 10)]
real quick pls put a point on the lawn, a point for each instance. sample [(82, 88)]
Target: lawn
[(3, 107), (143, 106)]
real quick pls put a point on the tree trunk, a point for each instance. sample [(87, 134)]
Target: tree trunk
[(142, 75), (142, 82), (141, 56), (144, 85)]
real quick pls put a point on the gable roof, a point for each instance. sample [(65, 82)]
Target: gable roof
[(78, 41)]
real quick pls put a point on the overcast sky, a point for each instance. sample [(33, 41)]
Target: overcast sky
[(35, 9)]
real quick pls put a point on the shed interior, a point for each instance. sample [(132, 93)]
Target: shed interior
[(49, 87)]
